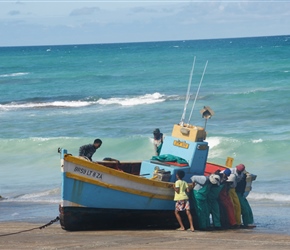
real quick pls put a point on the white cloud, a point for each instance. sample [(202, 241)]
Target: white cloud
[(14, 12), (84, 11), (69, 22)]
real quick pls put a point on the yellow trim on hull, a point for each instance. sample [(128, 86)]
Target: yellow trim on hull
[(117, 173), (119, 188)]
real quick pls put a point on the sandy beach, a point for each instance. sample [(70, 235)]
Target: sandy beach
[(53, 237)]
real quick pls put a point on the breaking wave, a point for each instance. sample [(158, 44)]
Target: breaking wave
[(133, 101), (269, 197), (123, 101), (48, 196), (60, 104), (14, 74)]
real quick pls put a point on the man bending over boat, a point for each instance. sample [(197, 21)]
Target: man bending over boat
[(87, 151)]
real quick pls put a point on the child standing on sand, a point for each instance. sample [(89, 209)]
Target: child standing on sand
[(182, 202)]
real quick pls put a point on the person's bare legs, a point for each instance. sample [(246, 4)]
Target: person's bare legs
[(179, 221), (190, 220)]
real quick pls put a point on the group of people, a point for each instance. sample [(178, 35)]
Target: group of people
[(220, 196)]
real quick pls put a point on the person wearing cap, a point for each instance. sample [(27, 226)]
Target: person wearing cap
[(87, 151), (246, 211), (157, 141), (238, 171), (225, 174), (228, 219), (202, 185)]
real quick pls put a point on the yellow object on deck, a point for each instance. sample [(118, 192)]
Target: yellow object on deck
[(188, 132), (229, 162)]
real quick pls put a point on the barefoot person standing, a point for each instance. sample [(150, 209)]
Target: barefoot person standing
[(182, 202)]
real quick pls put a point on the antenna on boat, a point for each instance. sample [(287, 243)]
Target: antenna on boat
[(187, 94), (197, 92)]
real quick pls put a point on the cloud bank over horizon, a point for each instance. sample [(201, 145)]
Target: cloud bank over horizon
[(87, 22)]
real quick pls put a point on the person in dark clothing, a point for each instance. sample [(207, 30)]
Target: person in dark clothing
[(87, 151), (157, 141), (247, 214)]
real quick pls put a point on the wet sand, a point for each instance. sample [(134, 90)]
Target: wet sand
[(53, 237)]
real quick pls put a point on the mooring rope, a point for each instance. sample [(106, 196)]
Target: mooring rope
[(44, 226)]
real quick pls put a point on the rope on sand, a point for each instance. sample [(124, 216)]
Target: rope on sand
[(44, 226)]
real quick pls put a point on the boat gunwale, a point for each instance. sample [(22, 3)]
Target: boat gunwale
[(127, 176)]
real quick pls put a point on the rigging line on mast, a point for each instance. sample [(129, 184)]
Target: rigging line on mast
[(197, 92), (187, 94)]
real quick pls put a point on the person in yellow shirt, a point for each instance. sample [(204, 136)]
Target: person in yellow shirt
[(182, 203)]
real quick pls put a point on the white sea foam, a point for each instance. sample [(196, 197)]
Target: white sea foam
[(37, 139), (14, 74), (257, 140), (219, 146), (48, 196), (269, 197), (261, 89), (51, 138), (213, 141), (136, 100), (126, 101), (67, 104)]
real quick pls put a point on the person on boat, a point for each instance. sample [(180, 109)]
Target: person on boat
[(202, 185), (228, 219), (157, 141), (182, 203), (213, 198), (238, 171), (246, 211), (87, 151)]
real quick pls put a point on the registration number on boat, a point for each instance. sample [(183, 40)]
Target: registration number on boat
[(88, 172), (181, 144)]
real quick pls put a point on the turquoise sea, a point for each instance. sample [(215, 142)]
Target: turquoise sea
[(66, 96)]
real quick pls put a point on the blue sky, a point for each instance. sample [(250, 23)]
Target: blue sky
[(58, 22)]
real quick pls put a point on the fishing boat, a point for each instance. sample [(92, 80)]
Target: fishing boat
[(111, 194)]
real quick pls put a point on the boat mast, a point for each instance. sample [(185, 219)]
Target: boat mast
[(187, 94), (197, 93)]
